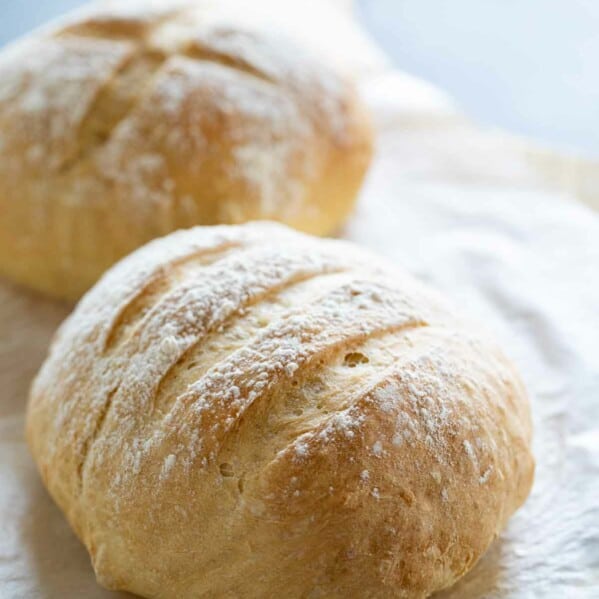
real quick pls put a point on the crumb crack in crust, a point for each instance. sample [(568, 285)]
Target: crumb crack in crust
[(276, 415), (118, 126)]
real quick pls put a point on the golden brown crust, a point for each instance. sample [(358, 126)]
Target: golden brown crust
[(116, 128), (248, 411)]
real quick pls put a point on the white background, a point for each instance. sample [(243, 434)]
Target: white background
[(530, 66)]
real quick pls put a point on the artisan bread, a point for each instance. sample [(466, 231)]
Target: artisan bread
[(126, 122), (248, 411)]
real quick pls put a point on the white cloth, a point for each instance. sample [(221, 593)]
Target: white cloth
[(497, 225)]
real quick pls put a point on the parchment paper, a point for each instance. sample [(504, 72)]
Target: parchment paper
[(498, 224)]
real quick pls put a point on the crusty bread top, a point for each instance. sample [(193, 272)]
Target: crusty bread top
[(123, 123), (290, 415)]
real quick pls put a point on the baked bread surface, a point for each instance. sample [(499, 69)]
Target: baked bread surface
[(248, 411), (124, 122)]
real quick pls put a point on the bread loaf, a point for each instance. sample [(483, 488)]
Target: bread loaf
[(123, 123), (247, 411)]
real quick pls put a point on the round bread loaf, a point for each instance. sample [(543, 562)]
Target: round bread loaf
[(122, 124), (252, 412)]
